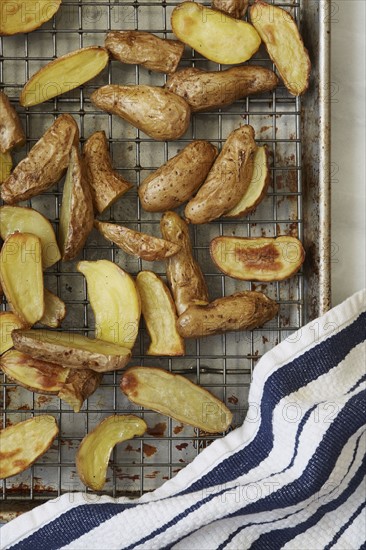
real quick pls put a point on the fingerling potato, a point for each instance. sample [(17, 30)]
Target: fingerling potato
[(235, 8), (11, 129), (23, 16), (54, 310), (8, 322)]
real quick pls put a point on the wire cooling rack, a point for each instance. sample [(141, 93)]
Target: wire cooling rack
[(223, 364)]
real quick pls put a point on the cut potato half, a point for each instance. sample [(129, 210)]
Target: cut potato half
[(54, 310), (28, 220), (258, 259), (177, 397), (11, 129), (115, 301), (71, 350), (95, 449), (160, 315), (218, 37), (21, 276), (284, 44), (8, 322), (23, 16), (22, 443), (6, 164), (64, 74)]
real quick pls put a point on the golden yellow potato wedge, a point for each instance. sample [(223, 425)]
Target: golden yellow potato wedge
[(8, 322), (6, 164), (45, 164), (156, 111), (160, 315), (64, 74), (71, 350), (284, 44), (241, 311), (115, 301), (28, 220), (95, 449), (220, 38), (177, 397), (227, 180), (106, 185), (257, 187), (23, 16), (138, 244), (206, 90), (11, 129), (183, 272), (70, 385), (21, 276), (146, 49), (235, 8), (54, 310), (258, 259), (22, 443), (176, 181), (76, 217)]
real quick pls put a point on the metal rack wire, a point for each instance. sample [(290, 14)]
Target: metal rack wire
[(223, 364)]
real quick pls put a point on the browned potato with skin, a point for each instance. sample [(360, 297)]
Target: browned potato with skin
[(45, 164), (23, 16), (6, 164), (8, 322), (146, 49), (235, 8), (11, 129), (54, 310), (183, 272), (241, 311), (206, 90), (175, 182), (159, 113), (106, 185), (227, 180), (138, 244)]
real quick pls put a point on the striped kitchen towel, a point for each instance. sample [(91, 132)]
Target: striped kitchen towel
[(292, 476)]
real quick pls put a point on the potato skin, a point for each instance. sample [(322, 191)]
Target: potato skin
[(78, 386), (241, 311), (146, 49), (235, 8), (206, 90), (159, 113), (176, 181), (11, 129), (183, 272)]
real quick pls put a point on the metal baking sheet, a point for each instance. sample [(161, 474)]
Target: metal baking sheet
[(296, 131)]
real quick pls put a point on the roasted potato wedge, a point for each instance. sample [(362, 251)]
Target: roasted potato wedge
[(258, 259), (227, 180), (176, 181), (95, 449), (21, 276), (156, 111), (235, 8), (160, 315), (222, 39), (115, 302), (70, 385), (71, 350), (23, 16), (22, 443), (257, 187), (28, 220), (64, 74), (54, 310), (8, 322), (106, 185), (45, 164), (76, 217), (183, 272), (146, 49), (6, 164), (284, 44), (241, 311), (11, 129), (138, 244), (206, 90), (177, 397)]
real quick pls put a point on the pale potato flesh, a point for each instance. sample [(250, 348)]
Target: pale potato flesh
[(160, 315), (23, 16), (235, 8), (95, 449), (115, 301), (258, 259), (64, 74), (22, 443), (217, 37), (11, 129), (6, 164), (8, 322), (28, 220), (21, 276), (177, 397), (54, 310)]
